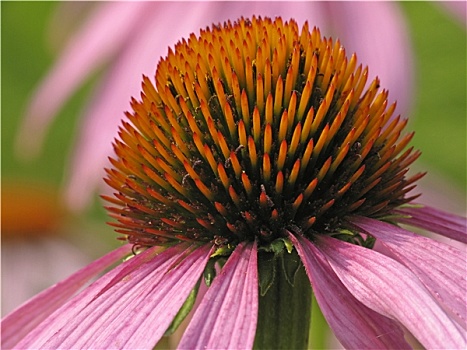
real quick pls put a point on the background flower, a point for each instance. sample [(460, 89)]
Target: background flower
[(33, 240)]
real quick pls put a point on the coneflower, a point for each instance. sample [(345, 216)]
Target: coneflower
[(261, 165)]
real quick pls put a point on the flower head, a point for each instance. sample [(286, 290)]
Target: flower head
[(259, 149), (241, 140)]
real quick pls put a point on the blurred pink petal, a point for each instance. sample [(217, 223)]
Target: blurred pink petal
[(90, 47), (437, 221), (387, 287), (227, 316), (369, 329), (30, 265), (377, 31), (25, 318), (440, 267), (457, 9)]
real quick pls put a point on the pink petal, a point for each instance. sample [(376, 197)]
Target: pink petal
[(378, 33), (437, 221), (25, 318), (368, 329), (392, 290), (143, 313), (439, 266), (115, 311), (227, 315), (74, 306), (98, 39)]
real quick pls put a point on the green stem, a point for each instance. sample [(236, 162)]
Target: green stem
[(284, 309)]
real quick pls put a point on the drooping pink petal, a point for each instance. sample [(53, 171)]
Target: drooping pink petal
[(389, 288), (355, 325), (97, 40), (161, 307), (64, 314), (22, 320), (440, 267), (111, 311), (227, 315), (378, 33), (437, 221)]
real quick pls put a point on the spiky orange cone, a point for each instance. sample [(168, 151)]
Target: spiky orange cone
[(242, 140)]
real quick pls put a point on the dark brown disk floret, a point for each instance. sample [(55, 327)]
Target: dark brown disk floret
[(251, 129)]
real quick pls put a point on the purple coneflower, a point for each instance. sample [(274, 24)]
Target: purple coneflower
[(258, 164)]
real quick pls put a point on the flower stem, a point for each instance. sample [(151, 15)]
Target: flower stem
[(284, 303)]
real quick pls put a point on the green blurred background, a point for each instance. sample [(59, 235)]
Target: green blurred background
[(439, 112)]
